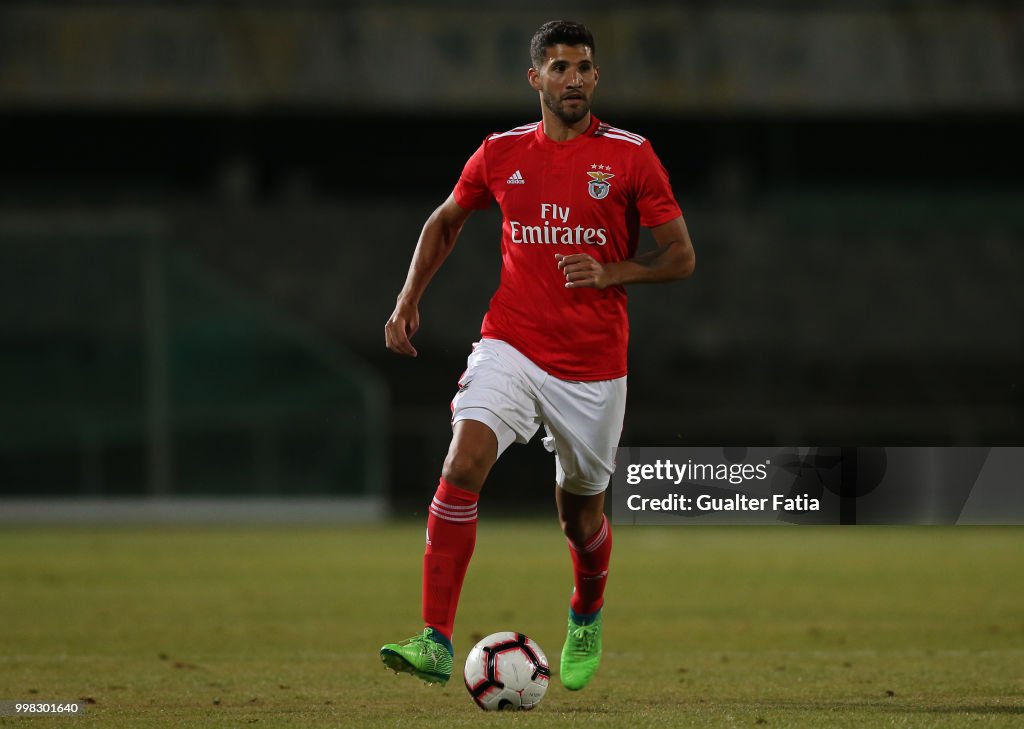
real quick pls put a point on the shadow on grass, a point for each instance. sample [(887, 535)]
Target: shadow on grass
[(972, 709), (887, 706)]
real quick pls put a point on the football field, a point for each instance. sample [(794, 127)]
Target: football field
[(704, 626)]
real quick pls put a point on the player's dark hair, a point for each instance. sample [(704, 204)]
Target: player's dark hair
[(554, 32)]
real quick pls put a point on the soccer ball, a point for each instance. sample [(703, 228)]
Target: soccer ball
[(507, 671)]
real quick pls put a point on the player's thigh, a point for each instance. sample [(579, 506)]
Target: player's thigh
[(584, 424), (495, 391)]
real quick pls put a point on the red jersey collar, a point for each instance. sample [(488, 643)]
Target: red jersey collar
[(594, 124)]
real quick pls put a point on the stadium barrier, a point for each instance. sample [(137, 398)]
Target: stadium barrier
[(133, 375)]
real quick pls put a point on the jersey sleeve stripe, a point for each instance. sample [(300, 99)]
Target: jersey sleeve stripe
[(631, 140), (518, 131), (623, 132)]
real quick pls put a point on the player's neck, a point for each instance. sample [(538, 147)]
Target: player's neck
[(558, 131)]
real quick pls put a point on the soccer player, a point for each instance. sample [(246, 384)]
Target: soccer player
[(552, 351)]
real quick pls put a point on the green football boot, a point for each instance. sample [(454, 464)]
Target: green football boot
[(581, 654), (427, 656)]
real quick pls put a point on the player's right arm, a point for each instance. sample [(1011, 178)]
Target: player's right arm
[(436, 241)]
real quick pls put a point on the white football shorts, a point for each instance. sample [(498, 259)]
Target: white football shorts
[(504, 390)]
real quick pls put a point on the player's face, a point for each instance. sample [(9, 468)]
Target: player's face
[(566, 81)]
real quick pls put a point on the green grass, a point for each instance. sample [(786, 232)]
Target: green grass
[(704, 626)]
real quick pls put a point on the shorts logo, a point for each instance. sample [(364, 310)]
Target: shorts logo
[(598, 187)]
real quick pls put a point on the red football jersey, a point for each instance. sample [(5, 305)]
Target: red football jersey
[(586, 195)]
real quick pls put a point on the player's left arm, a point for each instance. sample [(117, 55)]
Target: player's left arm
[(673, 259)]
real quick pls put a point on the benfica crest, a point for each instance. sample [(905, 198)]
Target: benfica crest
[(599, 186)]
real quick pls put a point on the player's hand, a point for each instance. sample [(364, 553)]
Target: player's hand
[(583, 271), (404, 322)]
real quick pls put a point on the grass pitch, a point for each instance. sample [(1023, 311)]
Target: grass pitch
[(704, 626)]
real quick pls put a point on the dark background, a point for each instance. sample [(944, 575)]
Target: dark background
[(858, 275)]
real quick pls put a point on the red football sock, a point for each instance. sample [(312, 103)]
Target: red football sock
[(590, 570), (451, 537)]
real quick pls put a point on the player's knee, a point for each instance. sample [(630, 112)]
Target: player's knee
[(466, 470), (580, 520), (570, 528), (579, 527)]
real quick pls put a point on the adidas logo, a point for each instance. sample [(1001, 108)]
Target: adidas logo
[(516, 179)]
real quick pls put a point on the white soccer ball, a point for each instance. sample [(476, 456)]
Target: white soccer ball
[(507, 671)]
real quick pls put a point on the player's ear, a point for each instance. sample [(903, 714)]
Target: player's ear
[(597, 73), (534, 78)]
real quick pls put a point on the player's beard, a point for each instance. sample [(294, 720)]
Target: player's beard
[(567, 116)]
